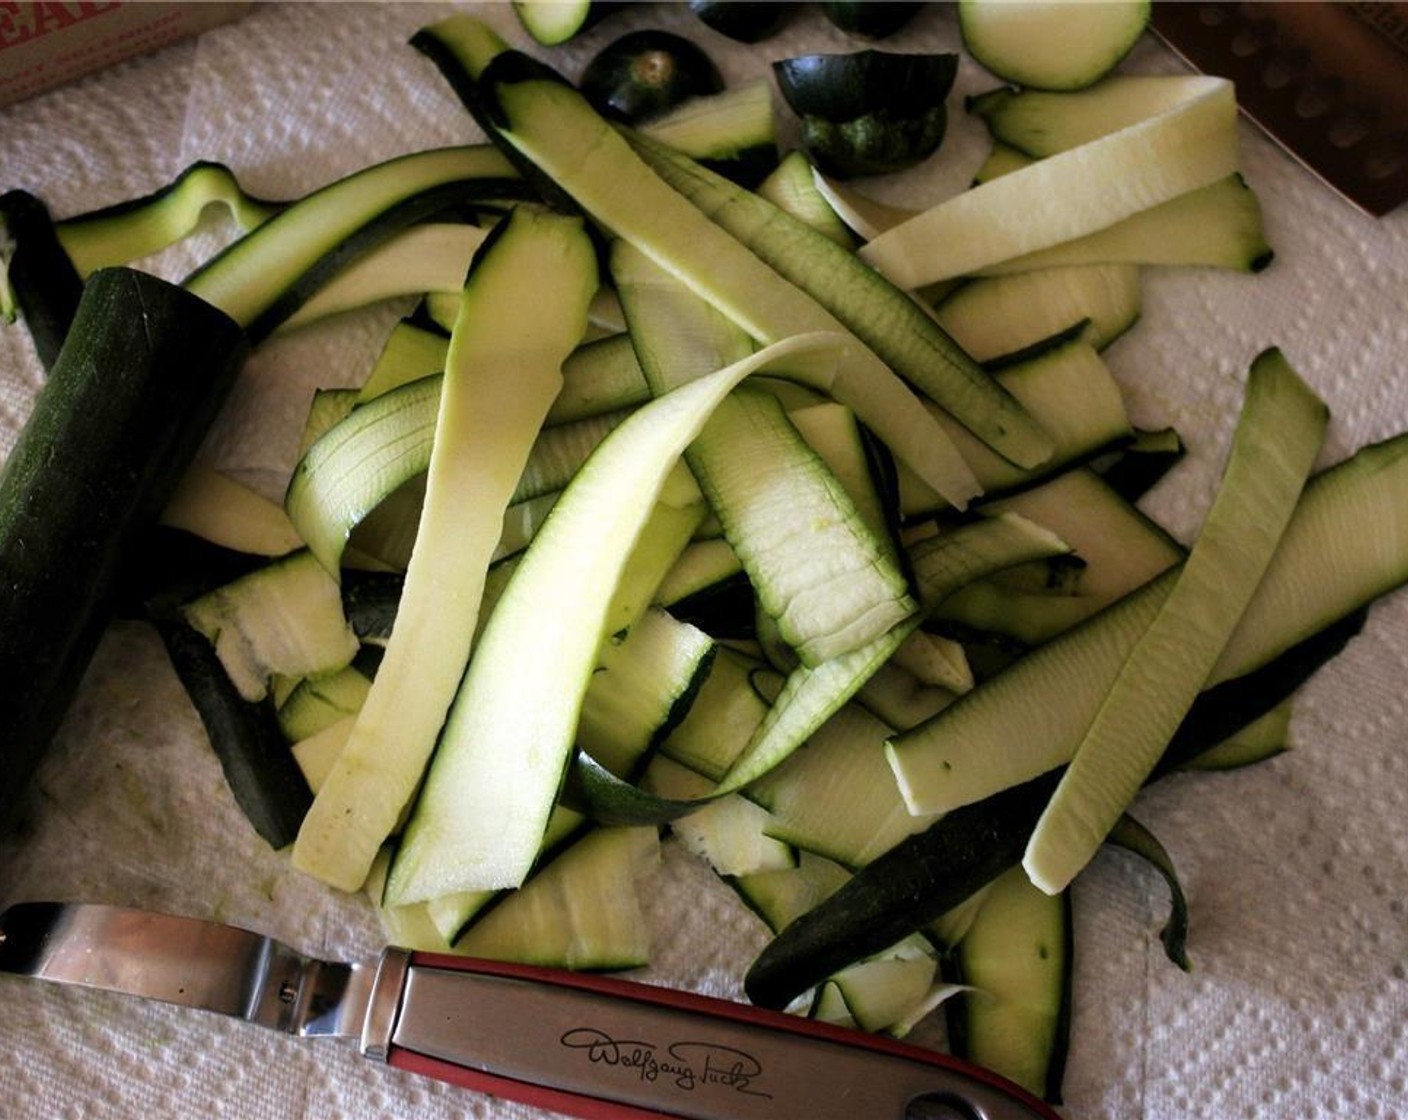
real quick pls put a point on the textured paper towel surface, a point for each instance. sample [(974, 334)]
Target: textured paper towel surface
[(1296, 871)]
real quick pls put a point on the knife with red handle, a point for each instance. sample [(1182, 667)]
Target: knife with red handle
[(582, 1045)]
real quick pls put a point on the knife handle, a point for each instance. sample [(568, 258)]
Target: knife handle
[(601, 1048)]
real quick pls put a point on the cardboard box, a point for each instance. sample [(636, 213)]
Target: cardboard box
[(43, 45)]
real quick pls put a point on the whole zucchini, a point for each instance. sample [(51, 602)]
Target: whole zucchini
[(127, 403)]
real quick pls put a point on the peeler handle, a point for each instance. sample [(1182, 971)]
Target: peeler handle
[(602, 1048)]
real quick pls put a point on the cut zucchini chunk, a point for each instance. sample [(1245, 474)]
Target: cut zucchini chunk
[(285, 618), (263, 277), (554, 22), (1191, 143), (316, 754), (1041, 45), (552, 125), (725, 714), (818, 570), (993, 317), (1277, 440), (1017, 959), (503, 370), (479, 819), (887, 320)]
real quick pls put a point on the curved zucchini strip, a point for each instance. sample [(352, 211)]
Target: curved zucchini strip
[(427, 258), (139, 227), (218, 509), (264, 277), (479, 819), (502, 372), (1133, 837), (1189, 143), (1016, 958)]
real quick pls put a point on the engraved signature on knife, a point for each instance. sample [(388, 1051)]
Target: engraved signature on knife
[(689, 1065)]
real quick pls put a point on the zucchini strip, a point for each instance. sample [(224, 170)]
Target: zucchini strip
[(265, 276), (428, 258), (139, 227), (502, 372), (1190, 143), (1278, 437), (830, 583), (479, 820)]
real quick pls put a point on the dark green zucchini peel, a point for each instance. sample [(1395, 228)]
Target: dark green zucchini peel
[(869, 112), (43, 284), (644, 73), (750, 21)]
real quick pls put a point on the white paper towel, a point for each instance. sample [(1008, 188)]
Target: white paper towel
[(1296, 871)]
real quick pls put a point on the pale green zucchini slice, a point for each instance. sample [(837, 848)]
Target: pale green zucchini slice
[(1041, 45), (1071, 391), (731, 833), (409, 353), (503, 370), (317, 702), (132, 230), (1260, 740), (993, 317), (1277, 440), (427, 258), (1017, 958), (248, 278), (1191, 143), (792, 188), (479, 819)]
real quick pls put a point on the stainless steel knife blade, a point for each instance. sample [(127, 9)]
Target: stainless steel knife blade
[(587, 1046)]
